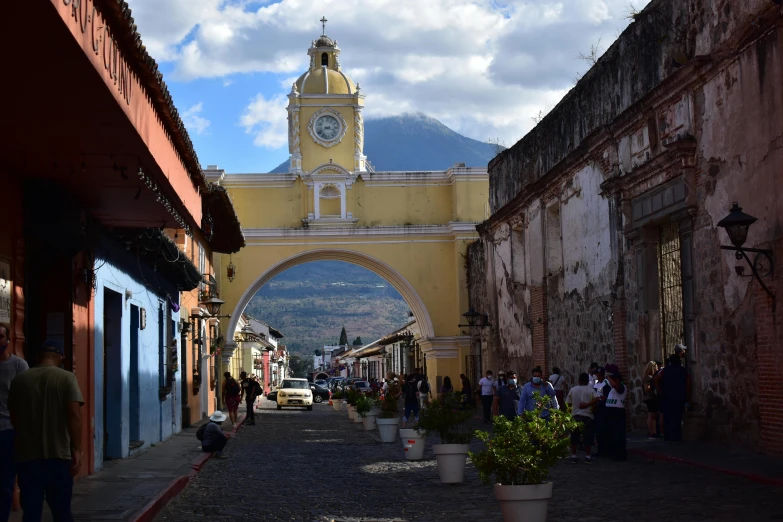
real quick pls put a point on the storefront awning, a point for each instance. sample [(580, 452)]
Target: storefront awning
[(221, 224), (157, 250)]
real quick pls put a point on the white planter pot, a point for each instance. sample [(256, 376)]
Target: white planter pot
[(369, 422), (356, 416), (451, 462), (351, 412), (387, 428), (526, 503), (337, 405), (413, 442)]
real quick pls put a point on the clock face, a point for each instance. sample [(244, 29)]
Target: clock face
[(327, 128)]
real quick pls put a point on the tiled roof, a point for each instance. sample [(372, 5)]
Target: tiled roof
[(118, 14)]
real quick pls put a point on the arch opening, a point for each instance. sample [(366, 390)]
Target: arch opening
[(325, 59), (394, 278)]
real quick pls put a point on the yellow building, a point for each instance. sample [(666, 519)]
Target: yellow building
[(412, 228)]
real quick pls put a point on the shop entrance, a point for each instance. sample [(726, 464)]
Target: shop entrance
[(112, 372)]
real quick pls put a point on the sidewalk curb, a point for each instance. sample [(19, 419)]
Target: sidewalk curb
[(753, 477), (154, 506)]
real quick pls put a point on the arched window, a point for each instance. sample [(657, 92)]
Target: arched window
[(325, 59), (330, 192)]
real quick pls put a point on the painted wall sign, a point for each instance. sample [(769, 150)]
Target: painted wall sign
[(90, 20), (6, 287)]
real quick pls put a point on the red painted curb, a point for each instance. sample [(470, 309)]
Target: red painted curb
[(151, 510), (753, 477)]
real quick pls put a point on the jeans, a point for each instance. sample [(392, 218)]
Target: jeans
[(411, 407), (251, 411), (672, 420), (7, 473), (50, 479), (486, 402)]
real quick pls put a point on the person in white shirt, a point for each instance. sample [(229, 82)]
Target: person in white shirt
[(557, 382), (582, 398), (487, 386)]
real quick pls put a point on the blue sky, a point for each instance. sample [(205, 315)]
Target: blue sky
[(485, 68)]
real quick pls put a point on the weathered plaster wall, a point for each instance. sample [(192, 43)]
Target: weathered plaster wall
[(687, 95), (739, 117), (579, 300), (667, 34)]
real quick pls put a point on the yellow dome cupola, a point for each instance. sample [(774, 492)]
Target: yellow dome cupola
[(325, 125)]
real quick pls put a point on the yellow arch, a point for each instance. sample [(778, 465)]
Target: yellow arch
[(377, 266)]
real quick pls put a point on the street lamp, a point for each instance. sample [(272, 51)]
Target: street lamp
[(212, 305), (472, 317), (737, 224)]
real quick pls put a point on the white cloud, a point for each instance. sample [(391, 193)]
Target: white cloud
[(482, 69), (266, 119), (194, 121)]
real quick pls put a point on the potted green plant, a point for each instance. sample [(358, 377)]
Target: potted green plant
[(446, 418), (518, 456), (365, 409), (337, 400), (388, 420), (351, 396)]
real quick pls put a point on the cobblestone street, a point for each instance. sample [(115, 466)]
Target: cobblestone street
[(318, 466)]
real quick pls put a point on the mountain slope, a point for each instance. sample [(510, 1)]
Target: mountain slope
[(417, 142), (310, 303)]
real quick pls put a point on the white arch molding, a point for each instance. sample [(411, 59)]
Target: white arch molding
[(391, 275)]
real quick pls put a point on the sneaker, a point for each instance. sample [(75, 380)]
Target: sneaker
[(588, 459), (574, 460)]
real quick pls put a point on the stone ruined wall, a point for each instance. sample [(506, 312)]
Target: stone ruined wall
[(666, 35)]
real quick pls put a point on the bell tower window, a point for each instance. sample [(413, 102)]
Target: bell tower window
[(325, 59)]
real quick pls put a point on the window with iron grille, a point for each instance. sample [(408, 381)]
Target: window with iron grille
[(670, 279)]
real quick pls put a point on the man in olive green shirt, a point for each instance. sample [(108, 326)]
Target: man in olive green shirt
[(45, 403)]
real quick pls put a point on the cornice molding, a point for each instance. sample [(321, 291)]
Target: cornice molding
[(454, 228)]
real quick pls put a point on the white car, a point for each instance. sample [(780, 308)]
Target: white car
[(294, 392)]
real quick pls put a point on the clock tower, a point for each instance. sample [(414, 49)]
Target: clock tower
[(326, 133)]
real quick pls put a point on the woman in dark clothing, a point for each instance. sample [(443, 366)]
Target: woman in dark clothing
[(467, 392), (447, 387)]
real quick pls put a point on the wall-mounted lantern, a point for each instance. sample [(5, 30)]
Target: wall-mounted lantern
[(475, 320), (231, 269), (737, 224)]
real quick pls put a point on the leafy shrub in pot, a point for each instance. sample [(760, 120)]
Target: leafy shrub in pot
[(445, 417), (364, 405)]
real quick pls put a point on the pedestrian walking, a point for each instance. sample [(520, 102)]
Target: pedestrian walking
[(488, 387), (213, 440), (411, 395), (446, 387), (651, 398), (232, 392), (592, 373), (467, 391), (425, 393), (615, 413), (506, 401), (250, 389), (45, 405), (582, 398), (599, 410), (527, 401), (10, 367), (558, 383), (673, 385)]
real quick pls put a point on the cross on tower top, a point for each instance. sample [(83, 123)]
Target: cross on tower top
[(323, 23)]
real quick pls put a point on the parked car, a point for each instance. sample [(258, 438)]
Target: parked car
[(295, 392), (320, 393), (320, 382), (362, 387), (272, 396)]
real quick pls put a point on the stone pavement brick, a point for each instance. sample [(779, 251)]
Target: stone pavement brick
[(318, 466)]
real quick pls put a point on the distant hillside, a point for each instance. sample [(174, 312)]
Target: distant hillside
[(417, 142), (310, 303)]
